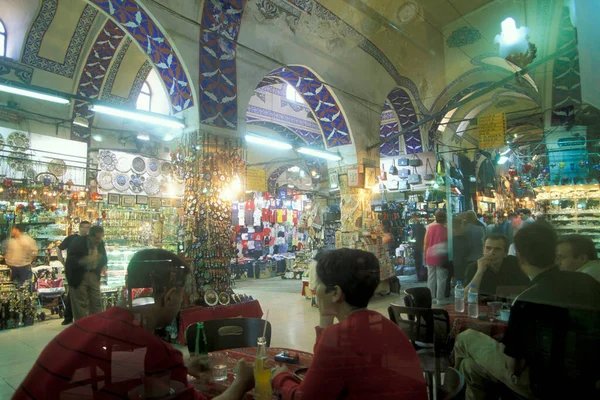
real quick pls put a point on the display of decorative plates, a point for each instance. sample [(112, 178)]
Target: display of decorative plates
[(152, 186), (57, 167), (46, 178), (136, 183), (121, 182), (1, 142), (138, 165), (107, 160), (18, 139), (153, 168), (123, 165), (19, 161), (211, 298), (30, 174), (224, 299), (105, 180), (165, 168)]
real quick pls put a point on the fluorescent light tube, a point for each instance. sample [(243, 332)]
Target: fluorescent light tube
[(142, 136), (502, 160), (33, 94), (267, 142), (505, 152), (320, 154), (139, 116)]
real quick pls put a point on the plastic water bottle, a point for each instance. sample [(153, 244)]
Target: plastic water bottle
[(459, 297), (473, 299)]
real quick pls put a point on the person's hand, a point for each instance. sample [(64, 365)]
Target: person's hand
[(280, 369), (244, 375), (483, 263), (198, 366)]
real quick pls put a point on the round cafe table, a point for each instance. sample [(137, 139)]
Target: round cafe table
[(212, 389), (460, 322)]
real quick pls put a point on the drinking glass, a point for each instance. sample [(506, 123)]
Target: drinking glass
[(218, 366)]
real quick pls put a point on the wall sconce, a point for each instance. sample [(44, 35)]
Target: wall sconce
[(514, 44)]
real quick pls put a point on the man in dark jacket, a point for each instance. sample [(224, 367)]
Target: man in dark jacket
[(86, 260), (418, 234)]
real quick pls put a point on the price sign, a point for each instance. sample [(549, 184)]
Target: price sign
[(492, 129), (256, 179)]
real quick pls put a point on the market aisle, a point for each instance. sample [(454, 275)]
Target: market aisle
[(292, 318)]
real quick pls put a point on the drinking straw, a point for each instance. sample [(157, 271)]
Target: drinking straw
[(197, 338), (266, 322)]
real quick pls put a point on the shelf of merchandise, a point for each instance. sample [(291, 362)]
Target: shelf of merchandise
[(576, 221)]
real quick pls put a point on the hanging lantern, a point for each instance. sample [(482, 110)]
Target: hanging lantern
[(562, 165), (512, 171), (582, 163), (526, 168)]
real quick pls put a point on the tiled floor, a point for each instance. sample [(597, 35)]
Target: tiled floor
[(292, 318)]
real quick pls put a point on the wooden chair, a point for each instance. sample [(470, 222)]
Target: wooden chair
[(428, 326), (231, 333), (453, 387), (419, 297)]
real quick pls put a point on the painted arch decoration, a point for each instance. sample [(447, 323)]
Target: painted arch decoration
[(320, 100), (388, 126), (142, 28), (401, 103)]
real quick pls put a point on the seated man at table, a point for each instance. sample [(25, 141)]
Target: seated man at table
[(551, 345), (364, 355), (496, 269), (578, 253), (108, 354)]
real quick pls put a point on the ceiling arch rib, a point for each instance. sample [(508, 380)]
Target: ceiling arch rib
[(401, 103), (155, 44)]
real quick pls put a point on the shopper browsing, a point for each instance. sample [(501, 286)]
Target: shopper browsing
[(119, 347), (435, 248), (86, 261), (364, 355), (21, 250)]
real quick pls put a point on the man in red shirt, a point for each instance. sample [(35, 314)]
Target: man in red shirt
[(109, 354)]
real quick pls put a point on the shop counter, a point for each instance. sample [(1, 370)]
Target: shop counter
[(191, 315)]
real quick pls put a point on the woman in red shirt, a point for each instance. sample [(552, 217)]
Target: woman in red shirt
[(364, 355), (435, 248)]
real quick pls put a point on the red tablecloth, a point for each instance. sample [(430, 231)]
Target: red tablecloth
[(212, 389), (191, 315), (460, 322)]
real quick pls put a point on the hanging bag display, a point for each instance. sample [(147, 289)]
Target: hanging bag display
[(403, 162), (403, 185), (403, 173), (415, 161), (382, 173), (393, 170), (429, 176), (414, 178), (440, 168)]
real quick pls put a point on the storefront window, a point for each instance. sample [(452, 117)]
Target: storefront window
[(145, 97), (2, 39), (291, 94)]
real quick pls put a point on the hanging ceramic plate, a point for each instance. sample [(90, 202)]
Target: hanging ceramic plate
[(136, 183), (107, 160), (57, 167), (18, 139), (153, 168), (121, 182), (165, 168), (1, 142), (19, 161), (152, 186), (138, 165), (224, 299), (105, 180), (211, 298), (46, 178), (30, 174), (123, 165)]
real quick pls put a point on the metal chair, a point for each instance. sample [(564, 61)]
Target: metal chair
[(429, 326), (419, 297), (453, 387), (231, 333)]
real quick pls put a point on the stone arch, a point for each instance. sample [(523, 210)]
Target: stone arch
[(144, 30), (401, 103)]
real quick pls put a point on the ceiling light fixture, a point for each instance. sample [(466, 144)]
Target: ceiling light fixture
[(33, 94), (150, 118), (502, 160), (320, 154), (81, 122), (98, 138), (142, 136), (505, 152), (168, 138), (251, 138)]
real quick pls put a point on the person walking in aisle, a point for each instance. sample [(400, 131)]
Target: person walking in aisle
[(418, 234), (435, 248), (21, 250), (86, 260), (84, 228)]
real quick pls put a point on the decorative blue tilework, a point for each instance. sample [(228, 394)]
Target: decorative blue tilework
[(389, 126), (134, 19), (402, 104), (23, 72), (36, 34), (288, 132), (320, 100)]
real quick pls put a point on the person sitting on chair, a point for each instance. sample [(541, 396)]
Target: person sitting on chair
[(578, 253), (364, 355), (106, 355)]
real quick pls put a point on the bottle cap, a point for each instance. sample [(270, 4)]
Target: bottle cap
[(472, 285), (459, 282)]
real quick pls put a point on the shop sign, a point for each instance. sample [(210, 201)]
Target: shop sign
[(334, 180), (492, 129), (256, 180), (353, 177)]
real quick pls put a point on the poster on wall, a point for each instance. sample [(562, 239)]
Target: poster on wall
[(370, 177), (256, 179), (492, 129), (353, 177), (334, 180)]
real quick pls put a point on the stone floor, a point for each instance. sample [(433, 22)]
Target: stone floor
[(292, 318)]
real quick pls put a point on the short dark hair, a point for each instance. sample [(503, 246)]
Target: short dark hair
[(497, 236), (356, 272), (440, 216), (84, 223), (526, 211), (580, 245), (536, 243), (19, 227), (94, 230), (157, 268), (321, 253)]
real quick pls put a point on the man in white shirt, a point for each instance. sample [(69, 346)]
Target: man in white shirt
[(20, 252), (578, 253)]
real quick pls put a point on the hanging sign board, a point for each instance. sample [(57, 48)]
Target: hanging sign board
[(256, 179), (492, 129)]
